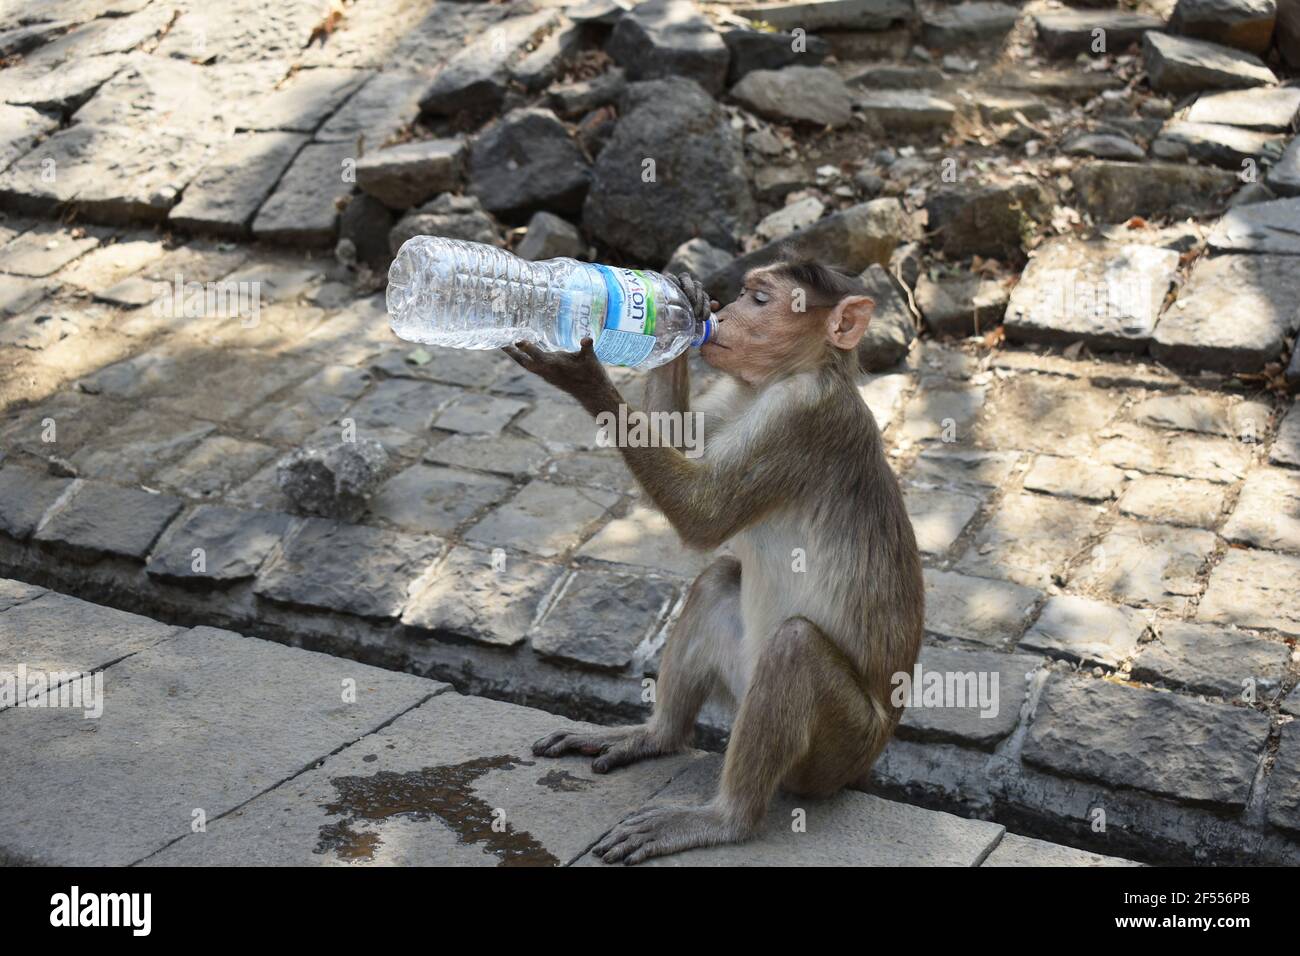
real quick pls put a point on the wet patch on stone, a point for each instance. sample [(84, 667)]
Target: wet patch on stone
[(561, 781), (443, 792)]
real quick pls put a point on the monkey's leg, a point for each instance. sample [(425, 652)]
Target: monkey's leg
[(703, 646), (804, 722)]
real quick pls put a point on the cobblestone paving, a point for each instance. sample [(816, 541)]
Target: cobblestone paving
[(1107, 500)]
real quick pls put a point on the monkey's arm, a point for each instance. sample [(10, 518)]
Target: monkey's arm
[(668, 387), (751, 468)]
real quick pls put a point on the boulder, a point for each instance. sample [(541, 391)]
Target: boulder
[(669, 38), (455, 217), (527, 161), (1272, 108), (892, 327), (550, 237), (404, 176), (1244, 24), (1069, 32), (963, 23), (699, 259), (1113, 192), (1219, 145), (907, 110), (855, 15), (798, 94), (672, 171), (365, 223), (1181, 65), (960, 305), (334, 481), (754, 50), (572, 100), (1284, 178), (968, 220)]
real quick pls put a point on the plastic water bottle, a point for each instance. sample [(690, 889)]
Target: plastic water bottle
[(468, 295)]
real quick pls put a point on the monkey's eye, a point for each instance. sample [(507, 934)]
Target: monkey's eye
[(761, 297)]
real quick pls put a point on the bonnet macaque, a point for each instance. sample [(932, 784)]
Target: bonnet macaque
[(822, 602)]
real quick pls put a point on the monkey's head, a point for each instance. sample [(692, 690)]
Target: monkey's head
[(790, 317)]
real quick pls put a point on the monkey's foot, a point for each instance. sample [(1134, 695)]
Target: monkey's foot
[(658, 831), (612, 747)]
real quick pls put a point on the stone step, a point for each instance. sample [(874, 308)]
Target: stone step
[(198, 746)]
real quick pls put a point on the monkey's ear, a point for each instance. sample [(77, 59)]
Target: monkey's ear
[(848, 321)]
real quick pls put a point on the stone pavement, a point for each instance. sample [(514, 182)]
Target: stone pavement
[(210, 748), (1080, 357)]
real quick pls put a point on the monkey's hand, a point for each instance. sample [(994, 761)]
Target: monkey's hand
[(696, 294), (658, 831), (580, 374)]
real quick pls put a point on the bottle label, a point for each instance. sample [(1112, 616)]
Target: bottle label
[(627, 335)]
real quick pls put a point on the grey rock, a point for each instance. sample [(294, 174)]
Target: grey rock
[(1181, 65), (795, 215), (347, 568), (333, 481), (550, 237), (938, 517), (906, 110), (215, 466), (366, 223), (525, 162), (691, 141), (699, 259), (1073, 478), (234, 545), (1284, 178), (1267, 514), (384, 106), (456, 217), (1235, 313), (62, 89), (892, 328), (25, 496), (796, 94), (773, 183), (960, 305), (850, 240), (985, 220), (1225, 146), (1113, 192), (988, 691), (1103, 146), (1029, 540), (1095, 730), (431, 499), (572, 100), (1244, 24), (1283, 805), (304, 101), (529, 521), (21, 39), (13, 593), (43, 250), (1286, 446), (1085, 631), (1253, 589), (222, 199), (538, 68), (658, 39), (1272, 108), (1107, 295), (1207, 414), (304, 209), (474, 598), (1212, 660), (754, 50), (413, 173), (1268, 227), (816, 15), (1287, 31), (101, 519), (967, 22), (142, 750), (976, 609), (1190, 502), (474, 80), (1068, 32), (897, 76), (20, 128), (600, 619), (1151, 564)]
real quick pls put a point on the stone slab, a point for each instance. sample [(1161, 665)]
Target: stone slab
[(1014, 850), (188, 725), (25, 495), (1087, 631), (1212, 660), (303, 210), (983, 692), (1096, 730), (1264, 227), (101, 519), (224, 196), (835, 831), (600, 619), (424, 790), (544, 518), (983, 610), (1150, 565), (1254, 589), (1029, 540)]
